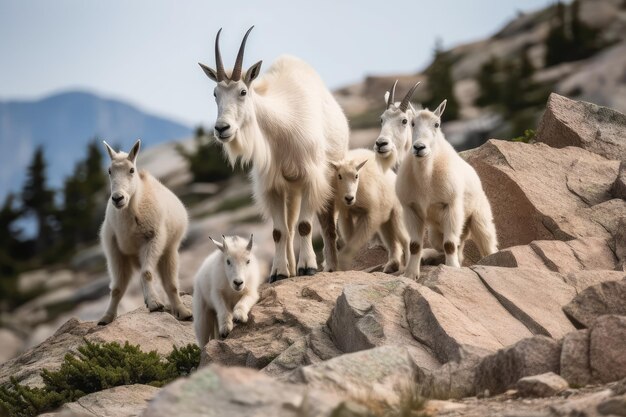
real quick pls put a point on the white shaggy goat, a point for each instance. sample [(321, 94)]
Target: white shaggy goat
[(225, 288), (289, 127), (143, 227), (394, 142), (366, 201), (438, 189)]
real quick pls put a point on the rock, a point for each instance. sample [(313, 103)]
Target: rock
[(576, 123), (437, 407), (614, 406), (302, 321), (532, 356), (158, 331), (527, 186), (586, 405), (581, 280), (377, 373), (605, 298), (452, 380), (122, 401), (543, 385), (575, 358), (620, 244), (533, 297), (369, 315), (218, 391), (619, 186), (555, 255), (11, 344), (464, 289), (449, 333), (607, 344)]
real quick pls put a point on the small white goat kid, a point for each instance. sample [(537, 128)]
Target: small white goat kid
[(289, 127), (439, 189), (394, 142), (367, 204), (143, 227), (225, 288)]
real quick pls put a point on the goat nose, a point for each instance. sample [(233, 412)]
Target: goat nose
[(419, 146), (238, 283), (222, 127), (349, 198), (382, 142), (117, 198)]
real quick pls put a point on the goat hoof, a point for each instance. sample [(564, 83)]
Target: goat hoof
[(277, 277), (391, 268), (156, 307), (302, 272)]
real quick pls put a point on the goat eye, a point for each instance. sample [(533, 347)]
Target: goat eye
[(404, 121), (413, 124), (109, 171), (243, 93), (248, 261), (132, 170), (356, 177), (339, 176), (227, 261), (436, 125), (214, 94)]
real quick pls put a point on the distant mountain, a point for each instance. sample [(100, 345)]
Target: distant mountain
[(64, 123)]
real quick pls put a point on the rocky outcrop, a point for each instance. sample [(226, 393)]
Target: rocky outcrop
[(597, 129), (544, 385), (541, 193), (158, 331)]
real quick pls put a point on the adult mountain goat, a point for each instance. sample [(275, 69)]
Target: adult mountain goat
[(290, 128), (438, 189), (394, 141), (143, 227)]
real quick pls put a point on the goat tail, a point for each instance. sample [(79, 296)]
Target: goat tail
[(483, 231)]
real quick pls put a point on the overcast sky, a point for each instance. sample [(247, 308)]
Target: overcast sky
[(145, 51)]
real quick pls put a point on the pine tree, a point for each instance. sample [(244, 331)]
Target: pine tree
[(556, 43), (38, 199), (207, 162), (489, 82), (441, 84)]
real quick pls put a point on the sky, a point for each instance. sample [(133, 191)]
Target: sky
[(146, 51)]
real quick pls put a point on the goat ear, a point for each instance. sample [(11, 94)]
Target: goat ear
[(439, 110), (386, 96), (110, 150), (218, 244), (334, 165), (208, 71), (132, 155), (253, 72), (358, 167), (224, 243), (250, 243)]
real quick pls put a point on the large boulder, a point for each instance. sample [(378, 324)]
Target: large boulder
[(607, 344), (575, 358), (532, 356), (219, 391), (569, 122), (158, 331), (601, 299), (541, 193), (543, 385)]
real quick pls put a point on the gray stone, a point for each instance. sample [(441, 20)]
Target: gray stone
[(543, 385), (575, 358), (499, 371), (607, 344), (605, 298)]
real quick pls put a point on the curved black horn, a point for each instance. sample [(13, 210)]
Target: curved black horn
[(236, 75), (392, 94), (221, 75), (407, 99)]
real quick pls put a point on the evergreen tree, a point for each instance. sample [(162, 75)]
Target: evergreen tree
[(489, 82), (207, 162), (441, 84), (38, 199), (556, 42), (10, 243)]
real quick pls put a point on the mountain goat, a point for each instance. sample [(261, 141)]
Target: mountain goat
[(367, 204), (143, 227), (439, 189), (290, 128), (225, 288), (394, 141)]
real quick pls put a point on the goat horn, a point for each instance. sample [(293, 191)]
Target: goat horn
[(221, 75), (236, 75), (407, 99), (392, 95)]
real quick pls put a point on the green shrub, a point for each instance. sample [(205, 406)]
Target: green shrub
[(95, 368), (527, 137)]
